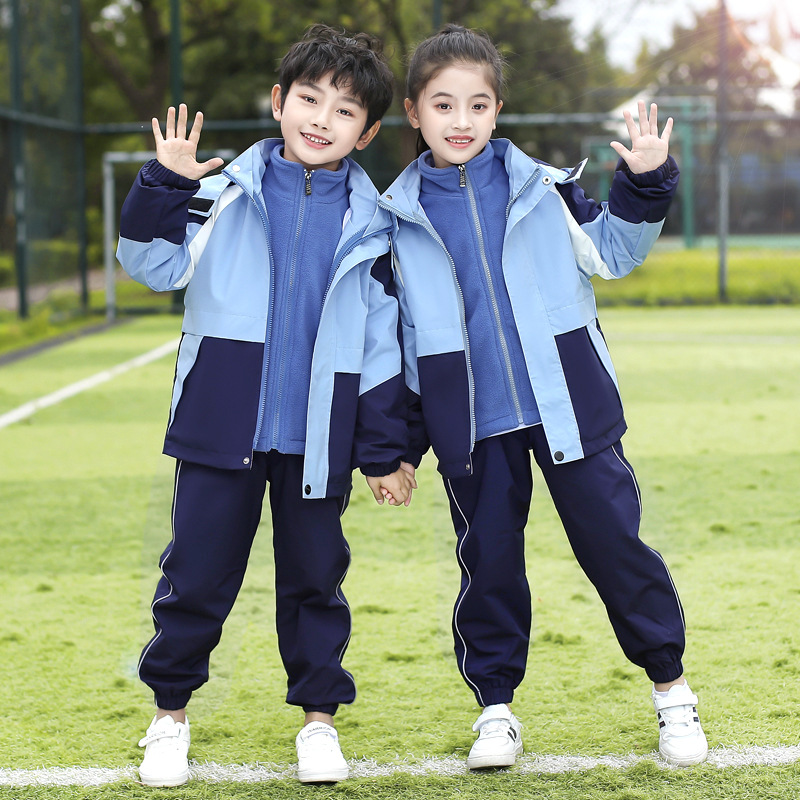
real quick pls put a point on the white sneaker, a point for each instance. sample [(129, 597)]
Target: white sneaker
[(166, 751), (681, 740), (500, 739), (319, 757)]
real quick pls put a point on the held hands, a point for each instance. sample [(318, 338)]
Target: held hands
[(648, 149), (178, 152), (396, 488)]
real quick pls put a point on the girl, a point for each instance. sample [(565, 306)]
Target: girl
[(504, 350)]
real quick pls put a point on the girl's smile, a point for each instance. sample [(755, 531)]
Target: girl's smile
[(456, 113)]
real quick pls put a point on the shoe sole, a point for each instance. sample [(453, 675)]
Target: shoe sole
[(488, 762), (685, 761), (178, 780), (332, 776)]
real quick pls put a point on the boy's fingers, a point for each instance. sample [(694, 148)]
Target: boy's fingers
[(180, 129), (376, 493), (212, 163), (197, 126), (156, 130)]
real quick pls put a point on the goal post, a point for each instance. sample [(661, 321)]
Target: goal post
[(111, 161)]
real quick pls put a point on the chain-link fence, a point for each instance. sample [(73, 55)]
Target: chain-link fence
[(50, 239)]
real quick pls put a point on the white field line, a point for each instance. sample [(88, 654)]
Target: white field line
[(28, 409), (719, 757)]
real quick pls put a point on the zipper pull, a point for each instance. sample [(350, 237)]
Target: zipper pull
[(308, 180), (462, 175)]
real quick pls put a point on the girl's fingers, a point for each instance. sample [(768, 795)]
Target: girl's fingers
[(169, 133), (644, 123), (156, 130), (631, 125), (667, 130)]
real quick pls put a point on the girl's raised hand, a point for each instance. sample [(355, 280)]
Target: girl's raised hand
[(177, 151), (648, 149)]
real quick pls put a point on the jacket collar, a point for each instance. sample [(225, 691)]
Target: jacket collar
[(247, 169), (403, 195)]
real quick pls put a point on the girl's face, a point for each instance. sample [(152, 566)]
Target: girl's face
[(456, 112)]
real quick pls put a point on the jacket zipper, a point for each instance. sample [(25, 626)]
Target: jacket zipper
[(465, 181), (288, 313), (461, 307)]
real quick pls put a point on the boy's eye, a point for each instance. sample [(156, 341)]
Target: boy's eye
[(308, 98), (346, 112)]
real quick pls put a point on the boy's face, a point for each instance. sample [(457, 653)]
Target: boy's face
[(456, 112), (321, 123)]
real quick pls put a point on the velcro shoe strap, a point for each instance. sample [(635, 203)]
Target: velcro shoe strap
[(674, 701), (498, 712), (156, 735)]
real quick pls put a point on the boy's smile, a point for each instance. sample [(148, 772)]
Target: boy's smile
[(320, 123), (456, 113)]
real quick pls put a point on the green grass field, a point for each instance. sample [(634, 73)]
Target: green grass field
[(711, 398)]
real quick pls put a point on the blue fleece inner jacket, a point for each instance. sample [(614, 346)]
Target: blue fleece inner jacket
[(304, 232), (471, 220)]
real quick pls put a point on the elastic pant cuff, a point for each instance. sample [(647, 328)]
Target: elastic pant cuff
[(664, 673), (494, 695), (172, 702)]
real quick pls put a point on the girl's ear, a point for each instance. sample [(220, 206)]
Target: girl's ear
[(276, 102), (368, 136), (497, 113), (411, 112)]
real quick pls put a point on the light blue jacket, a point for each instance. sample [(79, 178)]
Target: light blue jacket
[(555, 240), (213, 237)]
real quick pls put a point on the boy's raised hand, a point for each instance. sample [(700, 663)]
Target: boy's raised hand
[(648, 149), (177, 151)]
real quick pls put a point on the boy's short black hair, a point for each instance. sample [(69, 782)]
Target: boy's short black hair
[(353, 61)]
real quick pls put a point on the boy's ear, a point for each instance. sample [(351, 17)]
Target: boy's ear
[(368, 136), (276, 102), (411, 112), (496, 113)]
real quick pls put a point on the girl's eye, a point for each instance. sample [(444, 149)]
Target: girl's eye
[(443, 106), (479, 106)]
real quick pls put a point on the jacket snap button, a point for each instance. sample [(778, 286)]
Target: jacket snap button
[(307, 489), (245, 461), (236, 168), (558, 455), (546, 180), (389, 197)]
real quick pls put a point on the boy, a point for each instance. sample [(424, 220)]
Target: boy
[(289, 373)]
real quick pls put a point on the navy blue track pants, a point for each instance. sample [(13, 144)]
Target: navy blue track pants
[(599, 504), (215, 514)]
